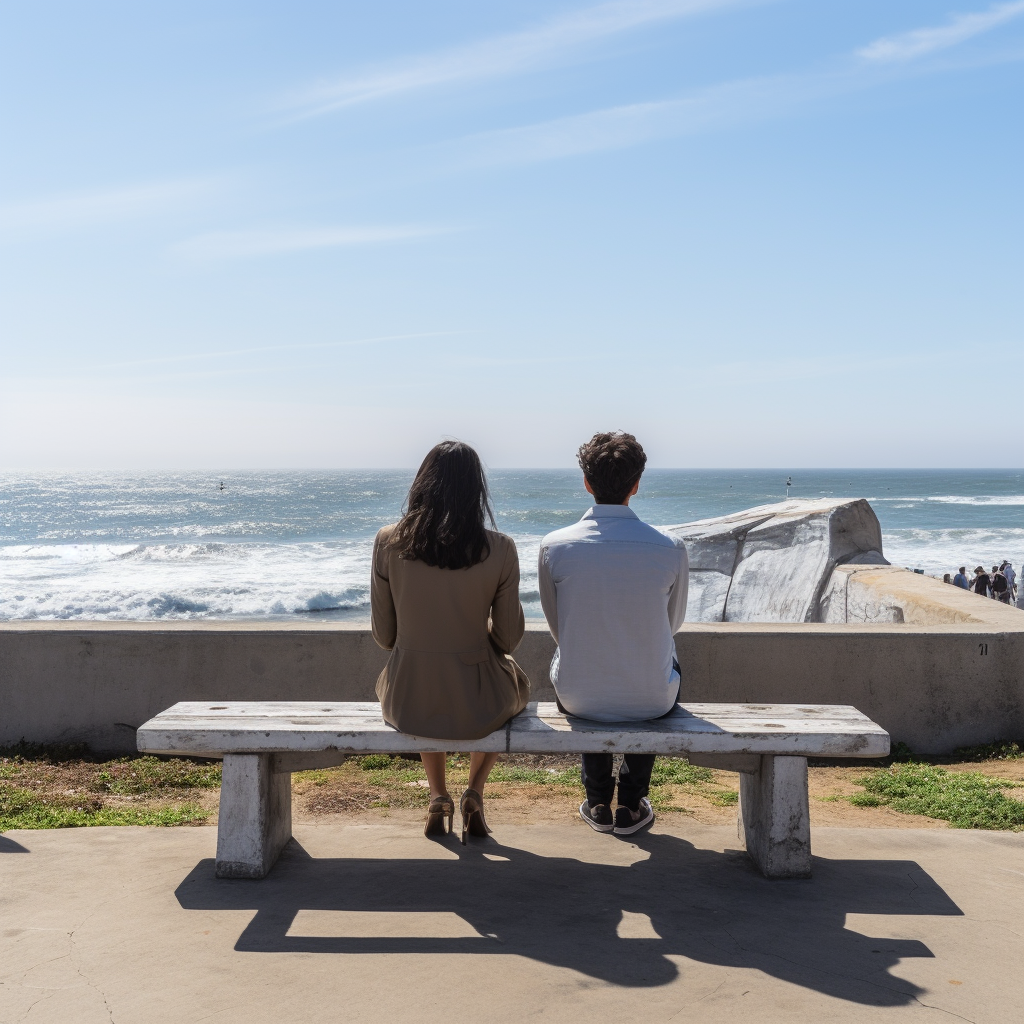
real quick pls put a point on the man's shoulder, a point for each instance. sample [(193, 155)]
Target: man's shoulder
[(652, 535), (566, 534)]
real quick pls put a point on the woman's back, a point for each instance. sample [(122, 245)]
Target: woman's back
[(450, 632), (448, 609)]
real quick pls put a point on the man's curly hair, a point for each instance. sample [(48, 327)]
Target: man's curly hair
[(612, 464)]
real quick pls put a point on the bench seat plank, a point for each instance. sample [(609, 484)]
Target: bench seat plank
[(705, 728), (212, 730)]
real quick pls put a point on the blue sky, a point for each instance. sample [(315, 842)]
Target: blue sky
[(778, 233)]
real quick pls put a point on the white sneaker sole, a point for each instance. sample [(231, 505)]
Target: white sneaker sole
[(593, 824), (644, 821)]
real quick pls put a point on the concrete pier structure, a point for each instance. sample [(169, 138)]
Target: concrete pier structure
[(944, 668)]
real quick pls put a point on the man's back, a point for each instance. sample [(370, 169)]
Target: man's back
[(613, 590)]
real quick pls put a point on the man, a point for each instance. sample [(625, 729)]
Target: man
[(613, 590), (960, 579), (1000, 589), (981, 582)]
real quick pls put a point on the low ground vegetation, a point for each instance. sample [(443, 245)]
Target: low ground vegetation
[(980, 787)]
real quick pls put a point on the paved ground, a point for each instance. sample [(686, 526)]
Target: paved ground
[(547, 922)]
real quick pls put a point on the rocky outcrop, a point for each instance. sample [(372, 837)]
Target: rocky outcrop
[(773, 563)]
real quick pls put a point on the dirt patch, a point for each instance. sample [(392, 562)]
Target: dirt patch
[(46, 792), (341, 791)]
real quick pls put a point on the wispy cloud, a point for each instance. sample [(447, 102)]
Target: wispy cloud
[(189, 357), (922, 41), (226, 245), (72, 210), (632, 124), (498, 56), (715, 107)]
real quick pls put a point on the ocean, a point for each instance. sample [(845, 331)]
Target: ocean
[(287, 545)]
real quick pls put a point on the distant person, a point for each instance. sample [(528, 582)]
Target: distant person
[(981, 582), (613, 590), (444, 599), (1011, 578), (961, 580), (1000, 588), (946, 578)]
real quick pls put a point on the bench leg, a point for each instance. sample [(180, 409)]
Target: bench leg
[(255, 816), (774, 817)]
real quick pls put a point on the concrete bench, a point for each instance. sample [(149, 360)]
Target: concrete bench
[(262, 742)]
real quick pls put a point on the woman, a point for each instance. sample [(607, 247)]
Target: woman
[(444, 598)]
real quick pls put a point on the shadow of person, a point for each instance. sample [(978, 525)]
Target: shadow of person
[(701, 905), (10, 846)]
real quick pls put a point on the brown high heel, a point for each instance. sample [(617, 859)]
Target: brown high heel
[(473, 821), (441, 807)]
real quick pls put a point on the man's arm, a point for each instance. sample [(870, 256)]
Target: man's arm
[(677, 595), (546, 586)]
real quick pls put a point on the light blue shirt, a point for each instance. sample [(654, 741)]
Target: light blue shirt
[(613, 590)]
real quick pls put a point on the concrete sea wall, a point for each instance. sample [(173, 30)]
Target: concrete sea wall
[(933, 686)]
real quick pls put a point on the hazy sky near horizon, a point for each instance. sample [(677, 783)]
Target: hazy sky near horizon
[(754, 232)]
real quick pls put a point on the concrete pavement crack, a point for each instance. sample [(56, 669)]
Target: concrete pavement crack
[(34, 1004), (942, 1009), (78, 971)]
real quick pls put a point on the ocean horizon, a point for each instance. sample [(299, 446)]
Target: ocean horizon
[(291, 544)]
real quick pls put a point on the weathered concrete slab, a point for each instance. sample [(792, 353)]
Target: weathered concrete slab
[(375, 923), (212, 730), (879, 593)]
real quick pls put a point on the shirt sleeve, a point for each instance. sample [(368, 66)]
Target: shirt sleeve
[(546, 585), (383, 617), (508, 624), (677, 595)]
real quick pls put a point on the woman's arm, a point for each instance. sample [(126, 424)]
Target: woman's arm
[(383, 618), (507, 621)]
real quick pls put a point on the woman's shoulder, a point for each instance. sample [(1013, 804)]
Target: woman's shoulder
[(385, 534), (500, 541)]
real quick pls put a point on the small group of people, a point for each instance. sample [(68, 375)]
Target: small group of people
[(1000, 584), (444, 597)]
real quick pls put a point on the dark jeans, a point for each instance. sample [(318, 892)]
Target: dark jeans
[(634, 772), (634, 779)]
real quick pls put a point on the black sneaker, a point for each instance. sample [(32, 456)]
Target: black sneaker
[(599, 817), (627, 822)]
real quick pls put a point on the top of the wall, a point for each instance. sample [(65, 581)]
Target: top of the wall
[(887, 593)]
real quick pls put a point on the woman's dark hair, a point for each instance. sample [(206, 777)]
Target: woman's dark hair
[(447, 507), (612, 464)]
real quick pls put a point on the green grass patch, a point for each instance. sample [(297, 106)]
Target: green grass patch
[(1000, 750), (677, 771), (964, 799), (21, 808), (131, 776), (724, 797)]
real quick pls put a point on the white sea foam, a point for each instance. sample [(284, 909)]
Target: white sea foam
[(942, 551), (982, 499), (182, 581), (196, 581)]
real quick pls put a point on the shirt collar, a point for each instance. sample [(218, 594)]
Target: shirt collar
[(610, 512)]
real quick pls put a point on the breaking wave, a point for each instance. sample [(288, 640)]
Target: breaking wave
[(183, 581)]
